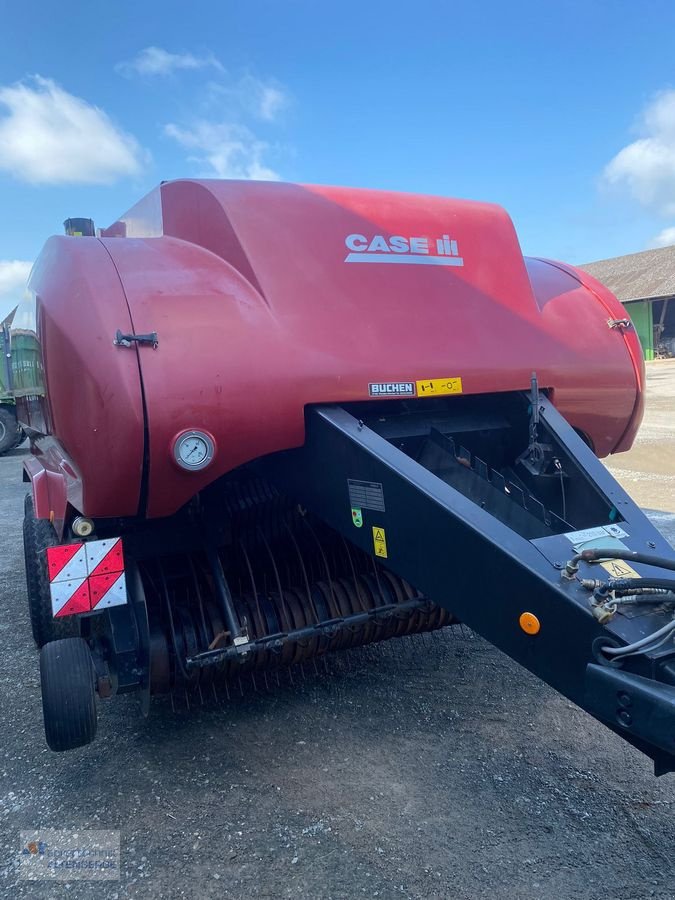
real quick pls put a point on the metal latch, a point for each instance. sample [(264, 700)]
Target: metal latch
[(619, 323), (126, 340)]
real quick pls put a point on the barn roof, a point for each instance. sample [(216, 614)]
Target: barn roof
[(637, 276)]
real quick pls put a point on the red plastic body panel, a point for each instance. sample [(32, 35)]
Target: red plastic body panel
[(259, 314), (50, 496), (88, 428), (616, 311)]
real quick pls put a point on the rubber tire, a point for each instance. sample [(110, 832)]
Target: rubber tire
[(38, 534), (20, 438), (68, 694), (10, 433)]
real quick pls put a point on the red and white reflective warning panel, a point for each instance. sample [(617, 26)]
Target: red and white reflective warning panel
[(86, 577)]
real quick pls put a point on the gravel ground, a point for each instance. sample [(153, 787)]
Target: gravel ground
[(647, 472), (431, 768)]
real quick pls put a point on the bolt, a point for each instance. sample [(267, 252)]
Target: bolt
[(557, 565), (624, 699), (651, 545), (625, 717)]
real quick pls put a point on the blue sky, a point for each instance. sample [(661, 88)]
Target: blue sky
[(562, 112)]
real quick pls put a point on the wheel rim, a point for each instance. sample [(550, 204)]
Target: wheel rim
[(3, 431)]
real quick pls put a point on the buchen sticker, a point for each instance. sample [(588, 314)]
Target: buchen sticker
[(439, 387), (379, 542), (391, 389)]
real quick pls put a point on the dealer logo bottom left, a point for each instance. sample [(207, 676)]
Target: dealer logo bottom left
[(75, 855)]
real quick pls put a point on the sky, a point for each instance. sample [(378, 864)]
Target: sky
[(564, 112)]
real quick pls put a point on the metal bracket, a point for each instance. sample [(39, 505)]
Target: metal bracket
[(632, 704), (126, 340), (619, 323), (537, 455)]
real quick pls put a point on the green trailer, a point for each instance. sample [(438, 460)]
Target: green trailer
[(11, 433)]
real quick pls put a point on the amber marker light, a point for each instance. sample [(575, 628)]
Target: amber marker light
[(529, 623)]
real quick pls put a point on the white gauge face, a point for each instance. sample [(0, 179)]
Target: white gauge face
[(193, 450)]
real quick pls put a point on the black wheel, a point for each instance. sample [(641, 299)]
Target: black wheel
[(10, 433), (20, 438), (38, 534), (68, 696)]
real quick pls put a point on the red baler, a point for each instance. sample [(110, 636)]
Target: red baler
[(262, 412)]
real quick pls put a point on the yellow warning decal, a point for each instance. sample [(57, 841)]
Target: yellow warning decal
[(617, 568), (379, 541), (439, 387)]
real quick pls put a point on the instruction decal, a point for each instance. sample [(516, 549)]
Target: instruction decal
[(593, 534), (615, 531), (357, 517), (439, 387), (379, 542), (365, 495), (618, 568)]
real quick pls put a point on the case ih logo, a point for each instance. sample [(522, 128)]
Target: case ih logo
[(419, 251)]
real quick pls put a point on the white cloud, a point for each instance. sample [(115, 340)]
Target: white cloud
[(219, 141), (664, 238), (272, 101), (156, 61), (228, 150), (49, 136), (264, 100), (646, 167), (13, 277)]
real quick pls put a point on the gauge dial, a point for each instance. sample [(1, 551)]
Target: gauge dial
[(193, 450)]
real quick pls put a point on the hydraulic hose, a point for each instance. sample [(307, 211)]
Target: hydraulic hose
[(644, 644), (661, 562), (654, 590), (646, 598), (636, 585)]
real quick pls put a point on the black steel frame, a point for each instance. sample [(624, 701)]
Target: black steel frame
[(464, 559)]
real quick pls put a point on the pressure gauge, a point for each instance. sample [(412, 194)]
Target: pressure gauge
[(193, 450)]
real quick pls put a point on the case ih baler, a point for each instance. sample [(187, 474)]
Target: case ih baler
[(272, 421)]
